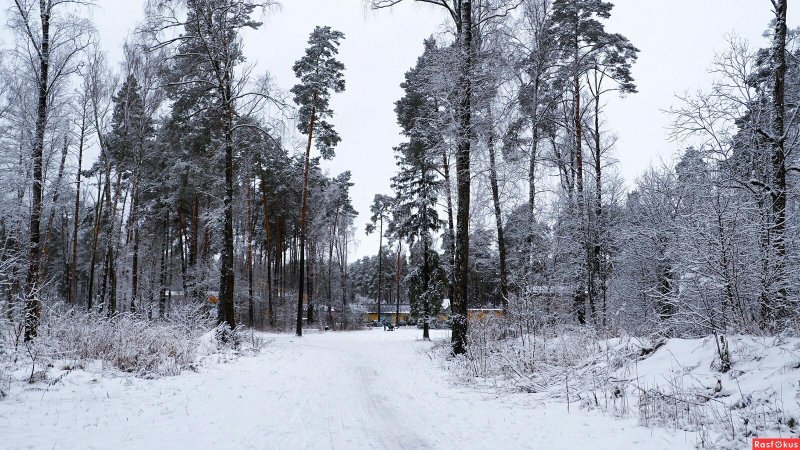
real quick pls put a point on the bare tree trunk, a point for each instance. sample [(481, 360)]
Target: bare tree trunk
[(498, 214), (397, 277), (531, 257), (267, 248), (451, 234), (182, 245), (162, 280), (225, 311), (330, 266), (581, 289), (343, 273), (303, 219), (426, 281), (135, 257), (107, 222), (33, 306), (459, 301), (596, 265), (194, 244), (310, 279), (8, 246), (110, 275), (95, 237), (780, 309), (251, 311), (283, 275), (380, 266), (48, 230)]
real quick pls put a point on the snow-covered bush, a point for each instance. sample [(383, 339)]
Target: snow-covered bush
[(126, 342), (676, 383), (534, 362)]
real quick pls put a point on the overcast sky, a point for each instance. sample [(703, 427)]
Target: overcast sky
[(677, 39)]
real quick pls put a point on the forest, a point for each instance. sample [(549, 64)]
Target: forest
[(181, 190)]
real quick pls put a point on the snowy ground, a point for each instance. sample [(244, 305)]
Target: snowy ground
[(351, 390)]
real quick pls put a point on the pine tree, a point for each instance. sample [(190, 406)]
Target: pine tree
[(584, 46), (415, 212), (380, 209), (131, 128), (320, 73), (204, 72)]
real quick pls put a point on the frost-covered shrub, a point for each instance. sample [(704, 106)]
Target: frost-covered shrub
[(675, 383), (127, 342), (555, 360)]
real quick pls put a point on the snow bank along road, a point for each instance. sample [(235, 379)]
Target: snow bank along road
[(359, 390)]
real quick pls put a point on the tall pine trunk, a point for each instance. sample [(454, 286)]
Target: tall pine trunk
[(451, 234), (426, 281), (459, 301), (310, 281), (530, 239), (162, 278), (780, 308), (134, 219), (330, 266), (33, 306), (498, 214), (251, 310), (135, 256), (597, 271), (380, 266), (72, 296), (48, 230), (98, 218), (397, 276), (225, 310), (303, 219), (268, 250), (580, 292)]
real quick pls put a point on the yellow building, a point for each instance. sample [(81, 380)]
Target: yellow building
[(483, 313), (388, 314)]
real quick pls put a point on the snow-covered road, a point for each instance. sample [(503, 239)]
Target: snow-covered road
[(359, 390)]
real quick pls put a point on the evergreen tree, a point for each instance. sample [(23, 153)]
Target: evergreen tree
[(320, 74), (381, 206), (584, 46), (204, 73), (415, 212), (131, 128)]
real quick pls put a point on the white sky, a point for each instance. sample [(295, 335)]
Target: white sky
[(677, 39)]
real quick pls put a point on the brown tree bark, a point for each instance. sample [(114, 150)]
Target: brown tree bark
[(330, 266), (498, 214), (310, 282), (251, 311), (135, 256), (98, 217), (597, 272), (33, 306), (380, 265), (459, 301), (162, 278), (451, 233), (780, 308), (268, 250), (226, 313), (303, 219), (581, 288), (397, 279), (48, 230)]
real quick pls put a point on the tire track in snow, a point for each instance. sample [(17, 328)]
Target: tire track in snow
[(386, 422)]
